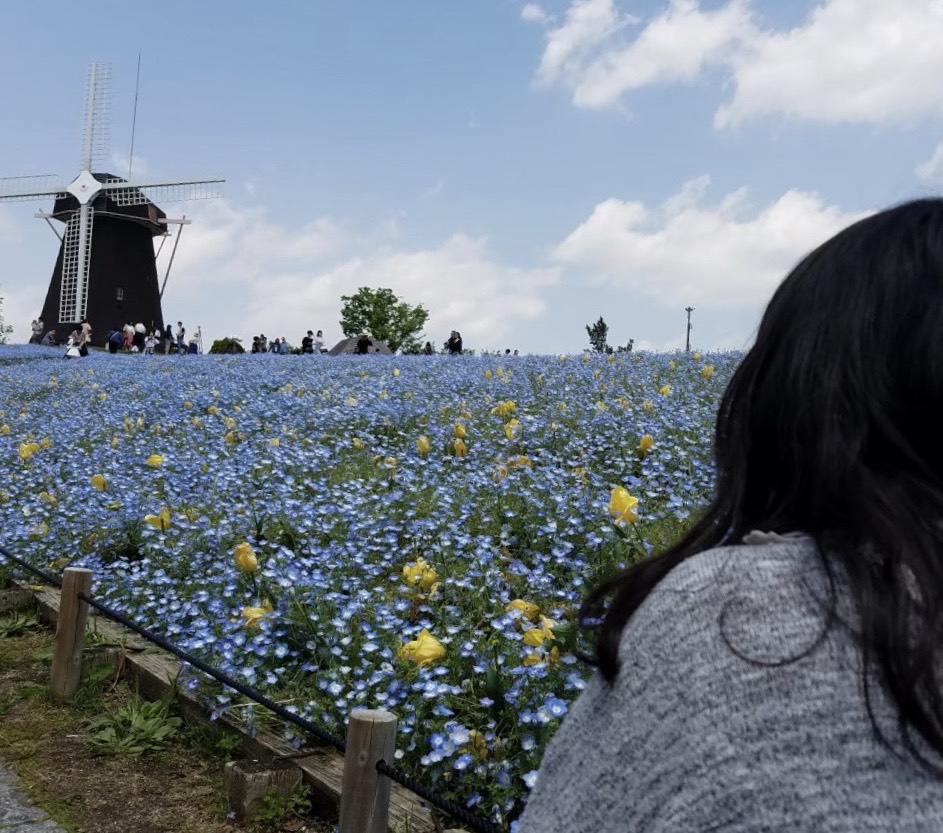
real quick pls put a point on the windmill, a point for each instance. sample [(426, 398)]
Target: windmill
[(106, 272)]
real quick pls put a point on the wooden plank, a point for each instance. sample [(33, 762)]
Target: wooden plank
[(155, 675)]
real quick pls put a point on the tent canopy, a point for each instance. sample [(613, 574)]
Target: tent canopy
[(349, 345)]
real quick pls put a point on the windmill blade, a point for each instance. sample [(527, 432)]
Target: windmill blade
[(96, 130), (124, 193), (14, 188), (76, 258)]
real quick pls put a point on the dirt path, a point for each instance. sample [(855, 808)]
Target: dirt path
[(175, 790)]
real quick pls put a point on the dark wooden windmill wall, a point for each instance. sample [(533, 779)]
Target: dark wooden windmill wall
[(123, 285)]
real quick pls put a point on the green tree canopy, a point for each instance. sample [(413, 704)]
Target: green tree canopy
[(5, 329), (598, 335), (384, 316)]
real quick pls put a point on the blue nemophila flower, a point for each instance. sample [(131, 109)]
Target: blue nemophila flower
[(332, 525)]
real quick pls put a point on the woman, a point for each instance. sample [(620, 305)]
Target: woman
[(780, 667)]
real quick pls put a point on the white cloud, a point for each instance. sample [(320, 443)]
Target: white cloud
[(532, 13), (434, 191), (865, 61), (239, 272), (931, 171), (687, 252), (590, 54), (120, 162)]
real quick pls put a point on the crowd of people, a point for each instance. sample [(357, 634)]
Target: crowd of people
[(136, 338)]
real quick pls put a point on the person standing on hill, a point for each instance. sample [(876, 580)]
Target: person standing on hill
[(454, 344)]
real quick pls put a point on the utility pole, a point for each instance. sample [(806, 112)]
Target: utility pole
[(687, 341)]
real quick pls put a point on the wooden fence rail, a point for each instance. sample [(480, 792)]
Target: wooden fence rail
[(366, 801)]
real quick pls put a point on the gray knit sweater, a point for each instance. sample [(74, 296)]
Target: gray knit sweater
[(693, 736)]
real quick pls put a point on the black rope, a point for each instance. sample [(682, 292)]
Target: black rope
[(316, 731), (49, 578), (463, 814)]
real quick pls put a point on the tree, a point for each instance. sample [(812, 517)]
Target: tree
[(597, 336), (5, 329), (385, 317), (227, 346)]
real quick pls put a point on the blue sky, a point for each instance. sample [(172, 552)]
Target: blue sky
[(518, 168)]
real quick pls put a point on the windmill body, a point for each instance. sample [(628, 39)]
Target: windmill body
[(106, 272), (122, 271)]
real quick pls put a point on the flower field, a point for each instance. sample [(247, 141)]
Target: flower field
[(409, 533)]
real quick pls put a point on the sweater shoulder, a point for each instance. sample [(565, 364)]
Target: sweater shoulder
[(763, 600)]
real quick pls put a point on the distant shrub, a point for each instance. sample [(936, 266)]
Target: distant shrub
[(227, 346)]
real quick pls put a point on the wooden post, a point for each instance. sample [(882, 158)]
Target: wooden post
[(365, 794), (249, 782), (70, 634)]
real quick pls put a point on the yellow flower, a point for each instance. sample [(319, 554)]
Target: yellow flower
[(622, 506), (45, 497), (41, 530), (512, 428), (187, 404), (351, 400), (648, 406), (421, 573), (161, 521), (502, 409), (423, 446), (254, 616), (664, 390), (535, 636), (4, 429), (114, 441), (707, 371), (357, 442), (274, 441), (672, 365), (459, 431), (395, 371), (45, 443), (423, 649), (528, 609), (488, 374), (461, 450), (212, 410), (646, 443), (389, 462), (27, 450), (114, 505), (696, 356), (245, 557), (155, 461)]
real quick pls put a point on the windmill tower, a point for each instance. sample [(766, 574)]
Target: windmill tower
[(106, 272)]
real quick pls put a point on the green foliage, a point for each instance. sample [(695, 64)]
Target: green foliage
[(17, 624), (385, 317), (136, 728), (5, 329), (277, 808), (598, 334), (227, 346)]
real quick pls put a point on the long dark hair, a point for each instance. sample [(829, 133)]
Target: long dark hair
[(833, 426)]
